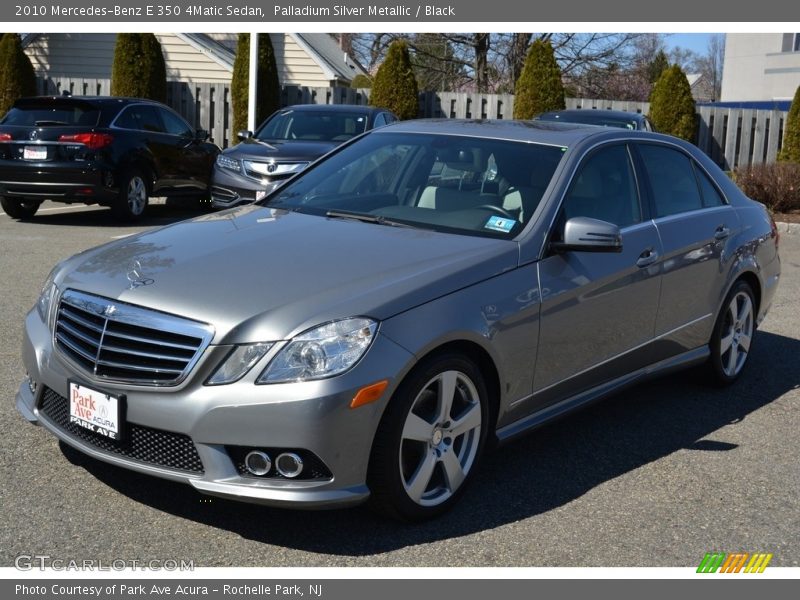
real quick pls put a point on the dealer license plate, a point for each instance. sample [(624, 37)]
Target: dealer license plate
[(34, 153), (96, 411)]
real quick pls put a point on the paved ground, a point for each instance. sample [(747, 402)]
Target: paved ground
[(654, 477)]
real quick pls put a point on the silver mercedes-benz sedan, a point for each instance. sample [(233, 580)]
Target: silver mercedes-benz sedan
[(372, 327)]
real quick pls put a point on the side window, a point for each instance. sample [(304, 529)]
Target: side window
[(141, 118), (711, 195), (173, 124), (390, 118), (672, 180), (605, 188), (380, 120)]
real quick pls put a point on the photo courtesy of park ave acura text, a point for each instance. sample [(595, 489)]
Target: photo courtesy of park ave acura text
[(399, 299)]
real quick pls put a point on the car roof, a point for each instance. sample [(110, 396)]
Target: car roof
[(96, 100), (543, 132), (334, 108), (615, 114)]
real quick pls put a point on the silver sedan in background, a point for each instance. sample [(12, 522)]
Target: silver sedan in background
[(424, 292)]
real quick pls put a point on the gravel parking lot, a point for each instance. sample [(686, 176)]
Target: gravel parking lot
[(657, 476)]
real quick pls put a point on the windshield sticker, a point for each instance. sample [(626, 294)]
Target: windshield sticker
[(500, 224)]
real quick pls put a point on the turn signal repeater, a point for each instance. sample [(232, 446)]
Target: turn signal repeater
[(369, 394)]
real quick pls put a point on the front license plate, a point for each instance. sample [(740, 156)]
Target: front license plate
[(96, 411), (34, 153)]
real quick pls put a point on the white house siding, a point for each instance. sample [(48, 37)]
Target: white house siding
[(186, 63), (73, 54), (295, 66), (90, 55), (756, 68)]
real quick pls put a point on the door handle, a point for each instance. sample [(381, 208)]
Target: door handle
[(647, 258), (721, 232)]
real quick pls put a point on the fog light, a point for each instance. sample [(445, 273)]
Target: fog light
[(257, 462), (289, 465), (32, 385)]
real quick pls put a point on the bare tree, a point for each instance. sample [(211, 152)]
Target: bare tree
[(710, 64)]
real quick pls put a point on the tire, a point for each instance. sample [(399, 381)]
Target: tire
[(19, 209), (732, 338), (425, 452), (134, 196)]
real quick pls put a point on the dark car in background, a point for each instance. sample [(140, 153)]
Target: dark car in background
[(599, 117), (115, 152), (285, 144)]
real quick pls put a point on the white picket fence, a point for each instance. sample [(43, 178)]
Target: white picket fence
[(732, 137)]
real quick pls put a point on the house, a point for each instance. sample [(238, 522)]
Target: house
[(760, 67), (702, 89), (303, 59)]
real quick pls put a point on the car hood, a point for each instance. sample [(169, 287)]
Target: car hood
[(291, 150), (263, 274)]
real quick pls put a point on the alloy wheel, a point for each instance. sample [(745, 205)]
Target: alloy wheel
[(736, 334), (440, 438)]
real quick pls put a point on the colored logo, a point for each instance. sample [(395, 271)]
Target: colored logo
[(736, 562)]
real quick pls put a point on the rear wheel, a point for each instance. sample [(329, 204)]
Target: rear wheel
[(134, 196), (19, 209), (732, 338), (430, 439)]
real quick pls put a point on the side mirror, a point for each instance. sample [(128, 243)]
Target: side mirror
[(582, 234), (244, 135), (200, 135)]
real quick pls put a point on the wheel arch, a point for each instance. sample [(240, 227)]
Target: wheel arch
[(482, 359)]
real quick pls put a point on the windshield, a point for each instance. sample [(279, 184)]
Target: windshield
[(316, 125), (34, 115), (458, 184)]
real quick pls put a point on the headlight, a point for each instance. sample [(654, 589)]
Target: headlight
[(240, 360), (228, 163), (45, 301), (321, 352)]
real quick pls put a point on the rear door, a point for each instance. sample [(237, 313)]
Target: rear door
[(598, 309), (189, 166), (143, 122), (695, 223)]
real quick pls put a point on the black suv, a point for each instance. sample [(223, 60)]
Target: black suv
[(114, 152)]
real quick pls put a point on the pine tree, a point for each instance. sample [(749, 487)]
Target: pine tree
[(672, 109), (791, 138), (361, 81), (394, 86), (138, 70), (657, 66), (268, 92), (539, 87), (17, 78)]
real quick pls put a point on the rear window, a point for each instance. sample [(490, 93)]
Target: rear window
[(44, 115)]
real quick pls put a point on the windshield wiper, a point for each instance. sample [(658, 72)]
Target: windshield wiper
[(365, 218), (45, 123)]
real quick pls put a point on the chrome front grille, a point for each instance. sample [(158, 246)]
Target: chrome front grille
[(122, 342)]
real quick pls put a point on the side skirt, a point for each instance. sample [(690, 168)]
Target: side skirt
[(564, 407)]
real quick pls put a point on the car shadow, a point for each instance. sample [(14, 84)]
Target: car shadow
[(162, 213), (540, 472)]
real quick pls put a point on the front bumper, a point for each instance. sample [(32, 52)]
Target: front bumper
[(74, 181), (229, 189), (314, 416)]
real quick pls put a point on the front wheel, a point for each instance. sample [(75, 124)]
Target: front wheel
[(732, 338), (134, 196), (430, 439), (19, 209)]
